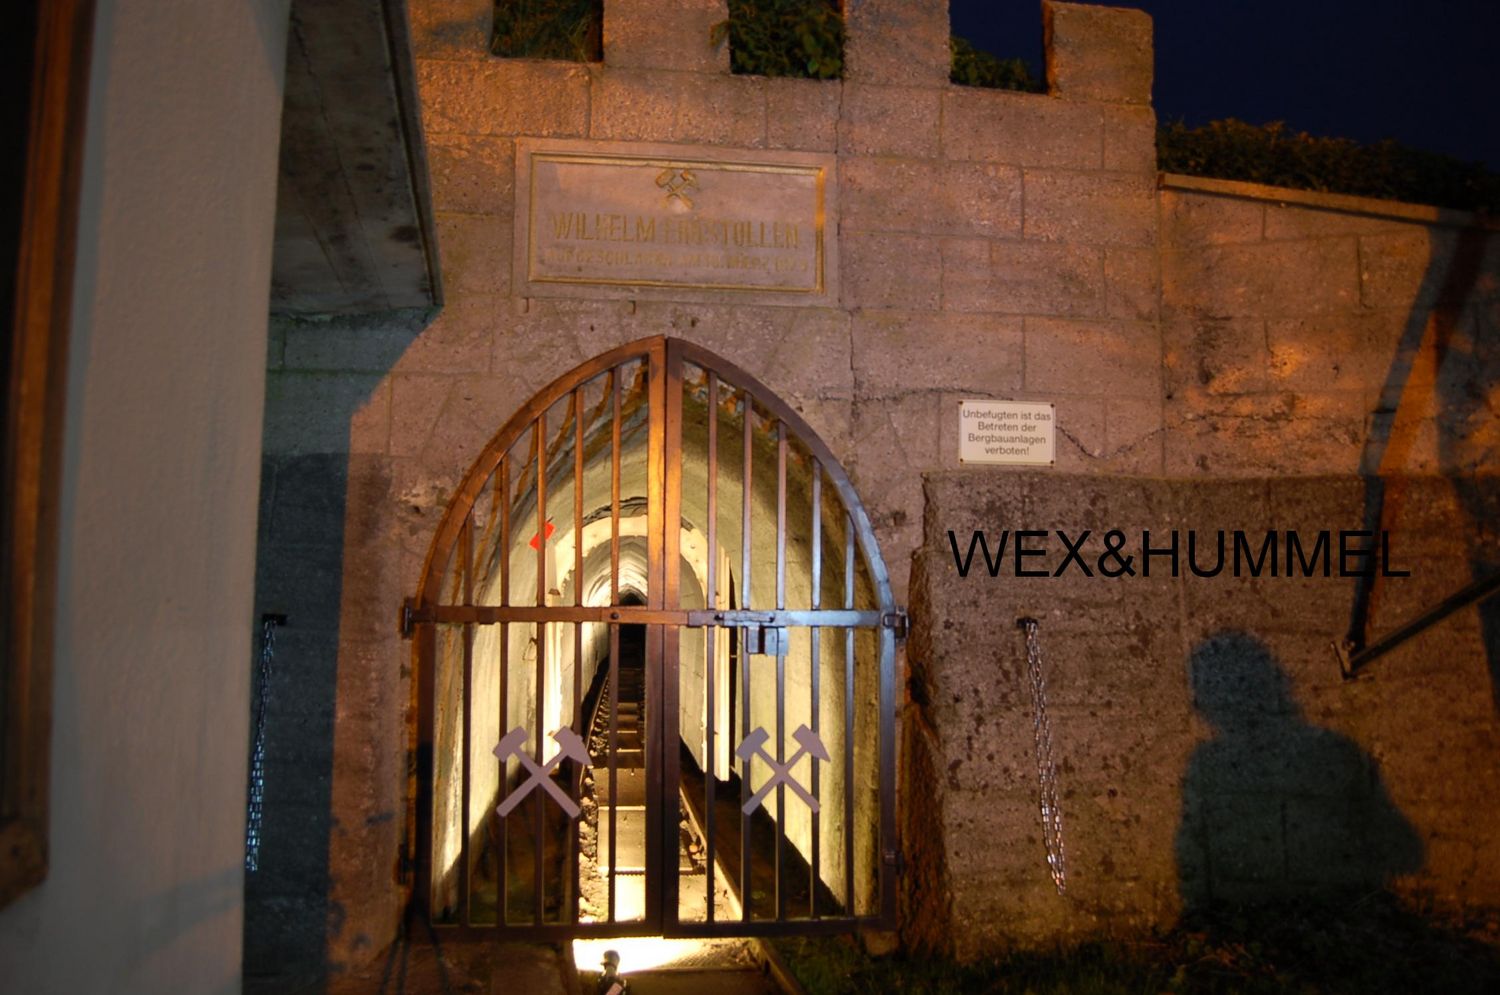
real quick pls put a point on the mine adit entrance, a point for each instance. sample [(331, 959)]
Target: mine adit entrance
[(654, 643)]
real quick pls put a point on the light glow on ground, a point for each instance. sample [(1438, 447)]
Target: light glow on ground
[(637, 953)]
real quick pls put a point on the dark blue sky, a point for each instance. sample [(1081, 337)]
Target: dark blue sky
[(1424, 73)]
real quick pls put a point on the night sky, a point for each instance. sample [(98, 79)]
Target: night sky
[(1424, 73)]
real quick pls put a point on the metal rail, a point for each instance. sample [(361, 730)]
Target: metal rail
[(1352, 658)]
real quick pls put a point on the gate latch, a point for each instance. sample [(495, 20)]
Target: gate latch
[(897, 621), (769, 640)]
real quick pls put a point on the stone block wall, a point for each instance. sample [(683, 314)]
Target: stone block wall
[(991, 244), (1313, 330)]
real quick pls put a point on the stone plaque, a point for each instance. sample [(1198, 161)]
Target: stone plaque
[(1007, 432), (624, 220)]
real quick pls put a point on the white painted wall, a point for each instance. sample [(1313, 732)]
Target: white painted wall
[(159, 493)]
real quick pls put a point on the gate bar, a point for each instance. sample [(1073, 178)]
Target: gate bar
[(711, 665), (849, 902), (746, 896), (466, 563), (575, 788), (614, 634), (538, 431), (781, 649), (670, 720), (502, 492), (816, 635)]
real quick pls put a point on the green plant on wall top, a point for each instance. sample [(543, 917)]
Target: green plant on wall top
[(801, 38), (1276, 155), (976, 67), (549, 29)]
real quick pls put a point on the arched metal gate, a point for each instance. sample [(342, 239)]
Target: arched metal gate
[(655, 668)]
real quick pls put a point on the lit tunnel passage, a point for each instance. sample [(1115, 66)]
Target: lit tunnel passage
[(591, 548)]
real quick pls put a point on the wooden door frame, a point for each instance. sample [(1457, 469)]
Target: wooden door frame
[(33, 429)]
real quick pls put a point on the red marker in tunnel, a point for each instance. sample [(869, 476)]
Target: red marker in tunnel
[(546, 533)]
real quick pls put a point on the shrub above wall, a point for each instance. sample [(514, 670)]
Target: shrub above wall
[(1276, 155), (797, 38), (976, 67)]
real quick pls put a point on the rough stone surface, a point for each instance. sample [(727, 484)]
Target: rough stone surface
[(638, 36), (934, 197), (503, 97), (1284, 278), (1098, 53), (452, 29), (1129, 138), (1092, 357), (1098, 208), (802, 114), (1022, 278), (889, 120), (1021, 128), (897, 41), (641, 106)]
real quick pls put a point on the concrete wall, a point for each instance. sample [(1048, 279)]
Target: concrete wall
[(1209, 751), (160, 470), (991, 244)]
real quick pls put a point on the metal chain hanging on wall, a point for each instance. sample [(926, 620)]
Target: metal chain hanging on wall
[(268, 624), (1046, 768)]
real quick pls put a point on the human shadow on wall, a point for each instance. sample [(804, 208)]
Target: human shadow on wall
[(1444, 366), (1274, 808)]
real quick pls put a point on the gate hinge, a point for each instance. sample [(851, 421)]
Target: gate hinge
[(897, 620), (410, 616), (896, 859)]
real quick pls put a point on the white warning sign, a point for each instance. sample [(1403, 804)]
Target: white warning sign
[(1016, 432)]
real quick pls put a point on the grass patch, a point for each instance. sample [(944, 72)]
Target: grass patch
[(1374, 948)]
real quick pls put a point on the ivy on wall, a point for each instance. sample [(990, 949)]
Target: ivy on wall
[(549, 29), (1277, 155), (798, 38)]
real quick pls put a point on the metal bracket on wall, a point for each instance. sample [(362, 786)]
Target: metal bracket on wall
[(1352, 656)]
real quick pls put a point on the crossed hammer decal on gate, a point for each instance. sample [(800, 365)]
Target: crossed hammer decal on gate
[(754, 745), (571, 748)]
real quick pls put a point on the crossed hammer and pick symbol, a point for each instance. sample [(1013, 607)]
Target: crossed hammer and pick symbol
[(676, 183), (571, 747), (514, 744), (754, 744)]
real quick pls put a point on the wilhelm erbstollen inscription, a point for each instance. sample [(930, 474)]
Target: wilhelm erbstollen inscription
[(642, 220)]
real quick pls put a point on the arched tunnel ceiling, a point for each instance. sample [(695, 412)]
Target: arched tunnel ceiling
[(354, 229)]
